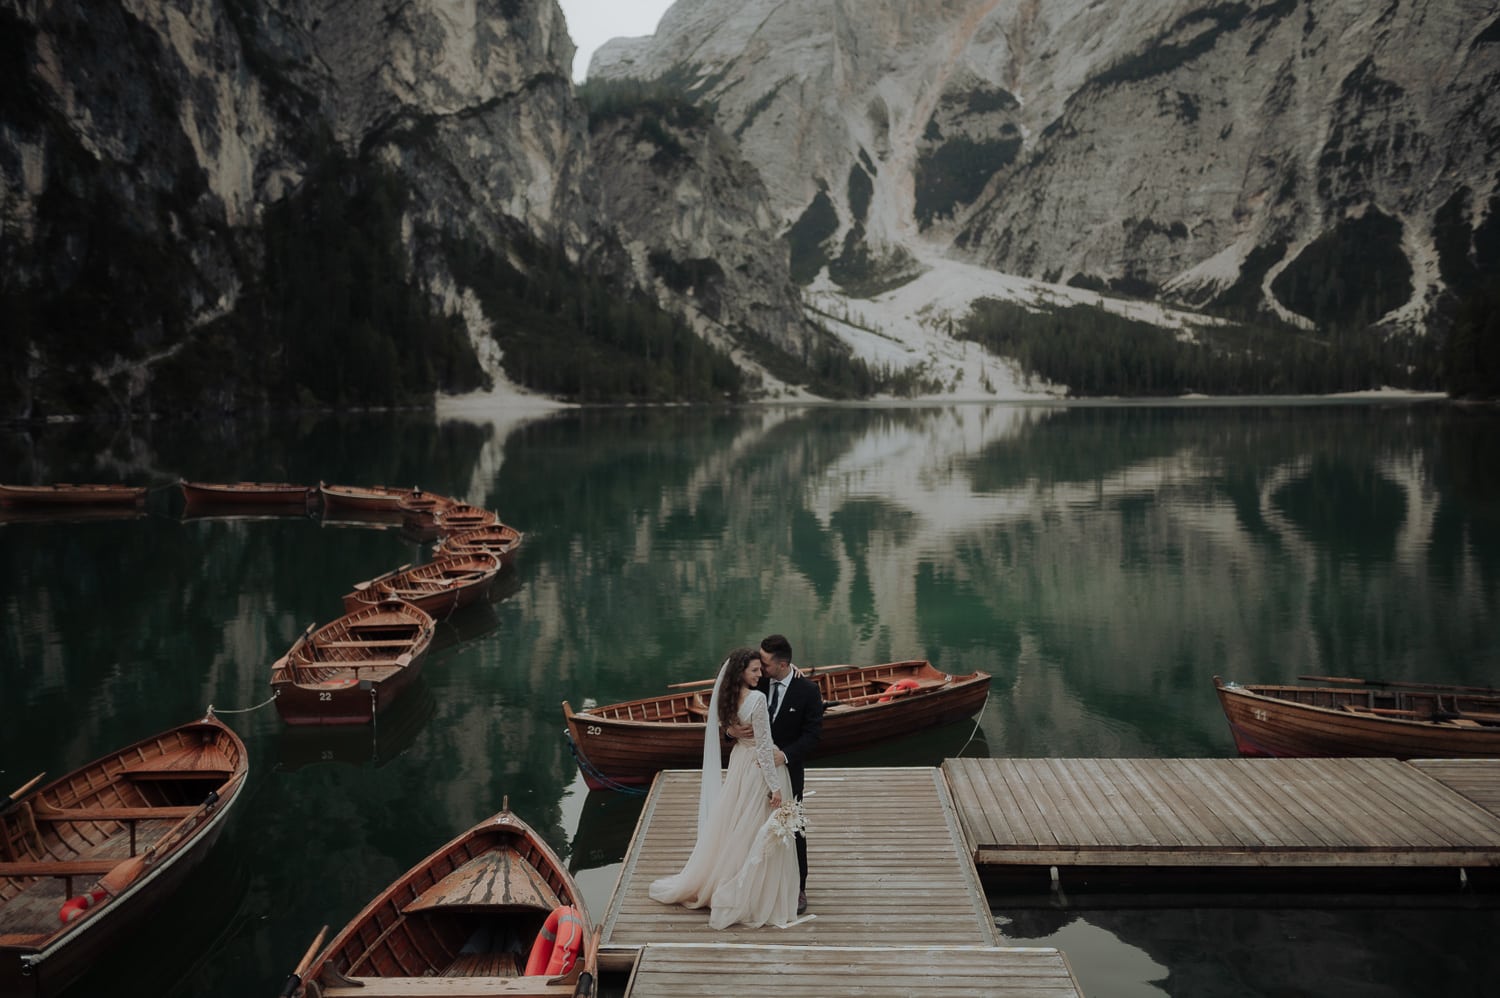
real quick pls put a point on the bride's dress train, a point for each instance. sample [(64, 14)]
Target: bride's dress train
[(740, 867)]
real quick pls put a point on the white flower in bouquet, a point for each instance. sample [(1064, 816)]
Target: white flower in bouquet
[(788, 820)]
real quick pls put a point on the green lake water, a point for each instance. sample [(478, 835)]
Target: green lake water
[(1102, 562)]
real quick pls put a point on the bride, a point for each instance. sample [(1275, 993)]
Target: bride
[(743, 867)]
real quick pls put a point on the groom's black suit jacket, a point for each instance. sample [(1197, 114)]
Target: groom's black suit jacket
[(797, 725)]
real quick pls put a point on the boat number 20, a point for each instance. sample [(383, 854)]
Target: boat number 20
[(593, 729)]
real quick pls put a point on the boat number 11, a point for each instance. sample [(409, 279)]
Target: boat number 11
[(593, 729)]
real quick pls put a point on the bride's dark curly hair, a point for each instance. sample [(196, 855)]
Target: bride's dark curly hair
[(734, 678)]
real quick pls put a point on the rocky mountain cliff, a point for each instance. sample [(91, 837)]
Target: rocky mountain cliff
[(214, 205), (195, 200), (1330, 163)]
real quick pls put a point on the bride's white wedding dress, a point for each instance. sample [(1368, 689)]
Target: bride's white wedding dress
[(740, 867)]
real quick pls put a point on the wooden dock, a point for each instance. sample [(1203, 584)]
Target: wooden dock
[(1225, 814), (733, 970), (897, 903)]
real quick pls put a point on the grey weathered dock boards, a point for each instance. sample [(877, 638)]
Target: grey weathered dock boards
[(733, 971), (1476, 779), (1226, 812), (887, 867)]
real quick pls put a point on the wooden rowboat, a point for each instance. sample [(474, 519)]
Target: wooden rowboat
[(242, 498), (497, 539), (627, 743), (85, 856), (438, 587), (1362, 718), (347, 671), (65, 494), (364, 498), (418, 509), (459, 924), (462, 516)]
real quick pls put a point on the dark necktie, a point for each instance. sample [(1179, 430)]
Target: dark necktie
[(775, 698)]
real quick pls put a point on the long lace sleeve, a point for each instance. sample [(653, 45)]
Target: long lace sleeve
[(765, 748)]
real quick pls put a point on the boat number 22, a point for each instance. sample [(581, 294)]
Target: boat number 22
[(593, 729), (325, 696)]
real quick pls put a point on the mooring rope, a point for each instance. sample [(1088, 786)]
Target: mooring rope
[(243, 710), (977, 719), (589, 770)]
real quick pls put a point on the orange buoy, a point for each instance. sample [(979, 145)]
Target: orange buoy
[(74, 907), (558, 944), (898, 688)]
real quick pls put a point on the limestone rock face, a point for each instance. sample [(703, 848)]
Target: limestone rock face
[(143, 143), (1197, 152), (694, 223)]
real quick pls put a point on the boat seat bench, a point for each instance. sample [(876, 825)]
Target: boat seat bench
[(376, 643), (57, 867), (113, 813), (398, 987), (147, 773)]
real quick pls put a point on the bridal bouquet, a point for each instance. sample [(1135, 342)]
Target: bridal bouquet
[(788, 819)]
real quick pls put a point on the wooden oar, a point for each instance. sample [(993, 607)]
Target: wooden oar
[(127, 871), (696, 682), (1403, 685), (16, 795), (294, 980)]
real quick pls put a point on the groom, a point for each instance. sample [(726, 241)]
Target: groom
[(796, 722)]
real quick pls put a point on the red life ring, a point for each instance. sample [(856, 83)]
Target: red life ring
[(558, 944), (899, 688), (74, 907)]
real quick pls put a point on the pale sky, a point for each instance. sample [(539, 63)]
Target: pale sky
[(591, 23)]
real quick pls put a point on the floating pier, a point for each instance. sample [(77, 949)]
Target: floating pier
[(899, 857), (1383, 818), (896, 903)]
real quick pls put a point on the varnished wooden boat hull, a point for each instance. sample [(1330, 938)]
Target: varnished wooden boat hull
[(64, 494), (352, 669), (246, 494), (362, 505), (363, 498), (169, 774), (419, 512), (462, 516), (498, 874), (1263, 723), (498, 539), (625, 745), (439, 587)]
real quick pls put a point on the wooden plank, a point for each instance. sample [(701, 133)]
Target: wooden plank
[(1137, 792), (723, 970), (1476, 780), (1115, 811), (1179, 787), (57, 867), (1085, 802), (1438, 802), (1008, 784), (1259, 806), (1051, 805), (975, 821), (112, 813), (1345, 806), (445, 987), (1407, 813), (1001, 807)]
